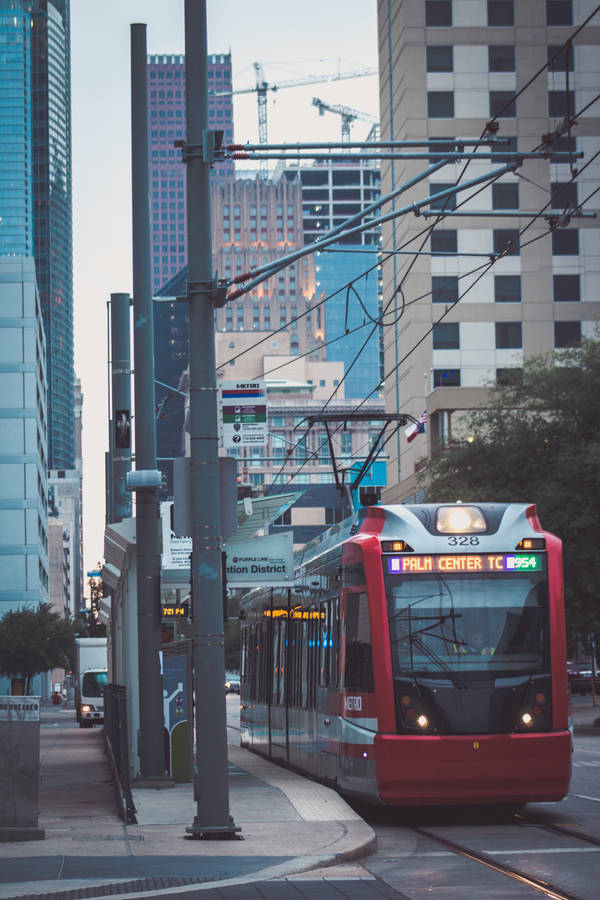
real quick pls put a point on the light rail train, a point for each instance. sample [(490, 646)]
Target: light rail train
[(418, 659)]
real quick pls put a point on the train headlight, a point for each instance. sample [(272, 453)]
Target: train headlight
[(423, 722), (527, 719), (460, 520)]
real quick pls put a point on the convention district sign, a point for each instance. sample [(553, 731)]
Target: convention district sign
[(262, 560), (244, 413)]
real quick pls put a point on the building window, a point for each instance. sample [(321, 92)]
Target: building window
[(566, 288), (448, 202), (334, 515), (438, 13), (500, 12), (439, 59), (284, 519), (501, 58), (563, 194), (437, 146), (559, 12), (508, 336), (446, 336), (505, 195), (440, 104), (444, 289), (446, 378), (559, 58), (567, 333), (506, 241), (565, 242), (503, 105), (563, 145), (346, 444), (507, 288), (509, 377), (444, 241), (561, 104), (505, 145)]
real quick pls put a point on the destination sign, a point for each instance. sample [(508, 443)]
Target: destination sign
[(468, 563)]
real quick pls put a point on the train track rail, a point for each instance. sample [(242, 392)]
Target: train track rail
[(523, 818), (543, 887)]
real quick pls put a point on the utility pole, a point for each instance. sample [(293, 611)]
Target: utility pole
[(211, 787), (120, 370), (146, 479)]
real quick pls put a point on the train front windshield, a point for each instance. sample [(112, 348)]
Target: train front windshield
[(461, 622)]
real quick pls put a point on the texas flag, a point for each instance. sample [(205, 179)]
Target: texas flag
[(416, 428)]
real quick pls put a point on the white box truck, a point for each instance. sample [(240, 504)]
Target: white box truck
[(90, 679)]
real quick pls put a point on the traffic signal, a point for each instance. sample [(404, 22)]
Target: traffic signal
[(122, 429)]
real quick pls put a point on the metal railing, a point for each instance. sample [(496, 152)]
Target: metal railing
[(117, 745)]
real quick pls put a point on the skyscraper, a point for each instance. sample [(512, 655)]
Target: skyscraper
[(52, 215), (166, 109), (447, 68)]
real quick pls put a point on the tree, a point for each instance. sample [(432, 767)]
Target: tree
[(539, 441), (34, 641)]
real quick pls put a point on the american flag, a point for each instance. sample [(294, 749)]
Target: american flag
[(416, 428)]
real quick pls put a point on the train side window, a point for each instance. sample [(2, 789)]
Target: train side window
[(358, 670), (334, 637), (276, 662), (324, 648), (302, 629)]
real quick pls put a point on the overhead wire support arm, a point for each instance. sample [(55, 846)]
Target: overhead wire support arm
[(257, 276)]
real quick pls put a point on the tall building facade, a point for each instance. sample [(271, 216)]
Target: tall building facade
[(254, 221), (52, 214), (23, 450), (347, 273), (447, 67), (166, 109)]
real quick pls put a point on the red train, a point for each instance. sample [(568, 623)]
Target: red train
[(418, 659)]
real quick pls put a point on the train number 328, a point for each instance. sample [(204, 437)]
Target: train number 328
[(461, 541)]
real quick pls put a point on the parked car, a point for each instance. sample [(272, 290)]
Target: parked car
[(232, 683), (579, 674)]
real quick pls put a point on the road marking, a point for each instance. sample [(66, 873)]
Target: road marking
[(586, 762), (585, 797), (515, 852)]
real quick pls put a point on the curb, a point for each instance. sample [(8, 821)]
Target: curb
[(363, 846)]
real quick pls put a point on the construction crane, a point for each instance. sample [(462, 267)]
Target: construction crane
[(262, 87), (348, 116)]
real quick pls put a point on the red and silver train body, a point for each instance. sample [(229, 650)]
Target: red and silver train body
[(419, 658)]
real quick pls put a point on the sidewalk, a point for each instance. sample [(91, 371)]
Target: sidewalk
[(289, 825)]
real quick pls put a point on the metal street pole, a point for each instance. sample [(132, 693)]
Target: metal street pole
[(146, 478), (211, 787), (120, 370)]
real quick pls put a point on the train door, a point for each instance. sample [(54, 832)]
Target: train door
[(327, 721)]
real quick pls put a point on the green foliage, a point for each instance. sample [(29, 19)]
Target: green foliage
[(539, 442), (34, 641)]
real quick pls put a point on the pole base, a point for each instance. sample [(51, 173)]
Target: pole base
[(214, 832)]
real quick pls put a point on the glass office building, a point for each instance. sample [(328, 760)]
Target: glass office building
[(53, 228), (35, 186)]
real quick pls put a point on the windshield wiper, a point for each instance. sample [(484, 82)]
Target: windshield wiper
[(439, 662)]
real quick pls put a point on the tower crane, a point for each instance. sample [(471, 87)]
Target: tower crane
[(348, 116), (262, 87)]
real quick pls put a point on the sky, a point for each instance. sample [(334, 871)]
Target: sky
[(292, 41)]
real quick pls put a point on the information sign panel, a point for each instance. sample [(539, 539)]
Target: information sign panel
[(244, 413), (262, 560)]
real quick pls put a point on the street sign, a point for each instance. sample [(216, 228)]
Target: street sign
[(262, 560), (244, 413)]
